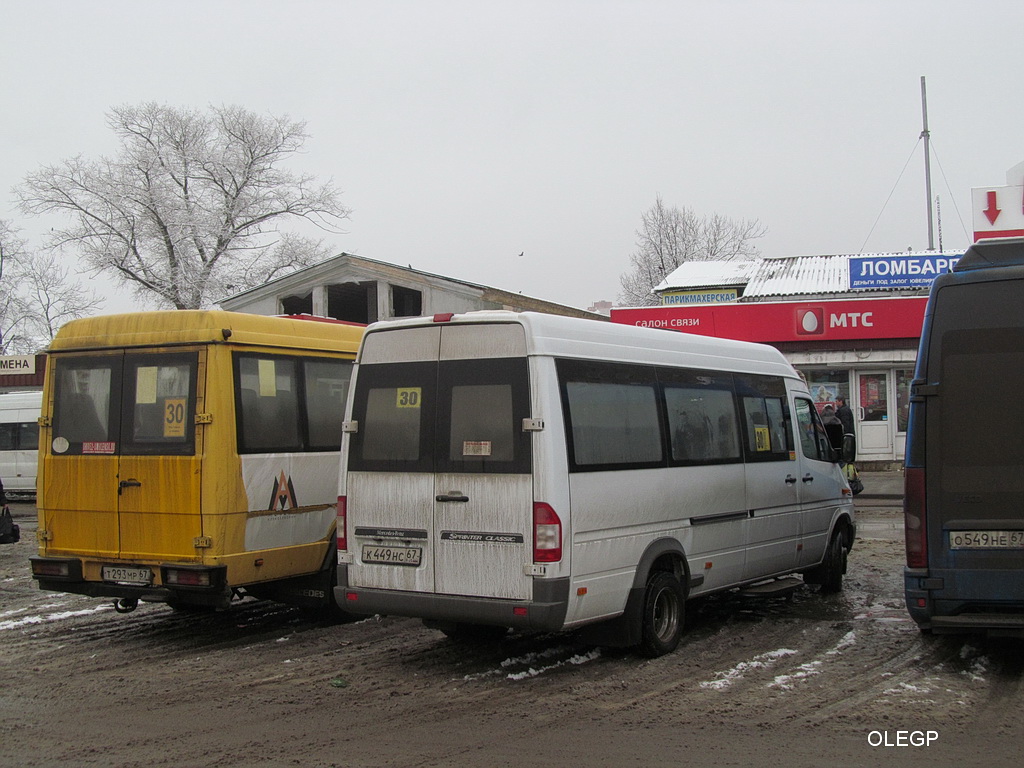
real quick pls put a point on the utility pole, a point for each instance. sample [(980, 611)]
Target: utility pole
[(927, 166)]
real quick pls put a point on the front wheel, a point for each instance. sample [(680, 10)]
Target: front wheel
[(661, 623), (834, 566)]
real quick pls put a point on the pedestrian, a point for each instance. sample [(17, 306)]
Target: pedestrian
[(833, 427), (844, 414)]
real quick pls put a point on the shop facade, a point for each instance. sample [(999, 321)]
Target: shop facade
[(850, 324)]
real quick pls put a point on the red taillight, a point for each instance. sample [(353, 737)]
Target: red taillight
[(547, 534), (914, 517), (187, 577), (342, 513)]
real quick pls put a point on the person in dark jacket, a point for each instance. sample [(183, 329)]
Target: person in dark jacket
[(845, 415)]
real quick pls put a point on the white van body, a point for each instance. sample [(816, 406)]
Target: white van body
[(19, 441), (545, 472)]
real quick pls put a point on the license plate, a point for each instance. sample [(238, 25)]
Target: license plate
[(986, 539), (123, 575), (391, 555)]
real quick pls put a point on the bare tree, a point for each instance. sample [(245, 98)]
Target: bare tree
[(37, 295), (669, 237), (191, 203)]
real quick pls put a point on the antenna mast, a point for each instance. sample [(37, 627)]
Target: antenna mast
[(927, 165)]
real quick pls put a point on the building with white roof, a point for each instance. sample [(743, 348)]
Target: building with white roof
[(850, 323)]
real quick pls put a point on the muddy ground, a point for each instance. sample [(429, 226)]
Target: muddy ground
[(807, 680)]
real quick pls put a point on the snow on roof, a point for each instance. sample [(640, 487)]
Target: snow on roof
[(800, 275), (773, 276), (707, 274)]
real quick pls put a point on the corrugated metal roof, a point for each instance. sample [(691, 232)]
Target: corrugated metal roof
[(707, 274), (800, 275)]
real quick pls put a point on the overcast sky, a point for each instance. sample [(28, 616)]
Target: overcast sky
[(465, 133)]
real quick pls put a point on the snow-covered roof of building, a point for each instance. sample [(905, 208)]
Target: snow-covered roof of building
[(776, 276), (707, 274), (800, 275)]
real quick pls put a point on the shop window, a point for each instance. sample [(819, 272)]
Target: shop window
[(827, 385)]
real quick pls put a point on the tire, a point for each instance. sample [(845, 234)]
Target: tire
[(833, 567), (664, 611)]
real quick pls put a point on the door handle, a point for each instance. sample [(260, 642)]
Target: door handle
[(451, 497), (131, 483), (808, 478), (790, 480)]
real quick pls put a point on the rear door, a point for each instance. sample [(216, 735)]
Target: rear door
[(123, 469), (975, 448), (159, 468), (440, 491)]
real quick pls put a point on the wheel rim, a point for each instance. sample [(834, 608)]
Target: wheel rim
[(666, 615)]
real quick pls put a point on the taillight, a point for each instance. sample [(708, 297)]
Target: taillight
[(914, 522), (342, 514), (547, 534), (187, 577)]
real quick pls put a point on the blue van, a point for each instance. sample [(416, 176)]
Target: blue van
[(964, 473)]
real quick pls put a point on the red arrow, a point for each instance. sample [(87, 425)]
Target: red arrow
[(992, 212)]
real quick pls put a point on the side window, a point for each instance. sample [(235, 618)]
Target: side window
[(8, 436), (766, 419), (268, 404), (701, 412), (326, 392), (613, 419), (814, 442), (28, 436)]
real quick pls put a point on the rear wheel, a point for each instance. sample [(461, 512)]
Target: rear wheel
[(664, 609)]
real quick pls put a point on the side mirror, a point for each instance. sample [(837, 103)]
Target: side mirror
[(849, 450)]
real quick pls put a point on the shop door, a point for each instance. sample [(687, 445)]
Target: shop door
[(874, 421)]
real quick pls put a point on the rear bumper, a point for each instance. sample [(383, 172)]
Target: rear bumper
[(546, 612), (217, 594), (954, 601)]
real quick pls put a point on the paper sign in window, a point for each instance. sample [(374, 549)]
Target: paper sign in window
[(174, 417), (409, 397), (145, 385), (268, 378), (762, 439), (476, 448)]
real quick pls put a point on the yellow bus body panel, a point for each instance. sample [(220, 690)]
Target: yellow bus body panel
[(189, 509)]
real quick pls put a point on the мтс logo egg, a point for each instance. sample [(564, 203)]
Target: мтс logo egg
[(810, 322)]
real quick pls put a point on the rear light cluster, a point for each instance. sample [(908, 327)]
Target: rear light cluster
[(914, 517), (187, 577), (342, 514), (58, 568), (547, 534)]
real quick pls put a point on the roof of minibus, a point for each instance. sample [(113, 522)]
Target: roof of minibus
[(573, 337), (188, 326)]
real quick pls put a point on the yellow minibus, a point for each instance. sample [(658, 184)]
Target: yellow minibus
[(191, 457)]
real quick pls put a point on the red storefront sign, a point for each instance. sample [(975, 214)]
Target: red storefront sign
[(845, 320)]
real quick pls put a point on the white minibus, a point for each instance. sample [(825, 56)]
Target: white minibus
[(19, 441), (550, 473)]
